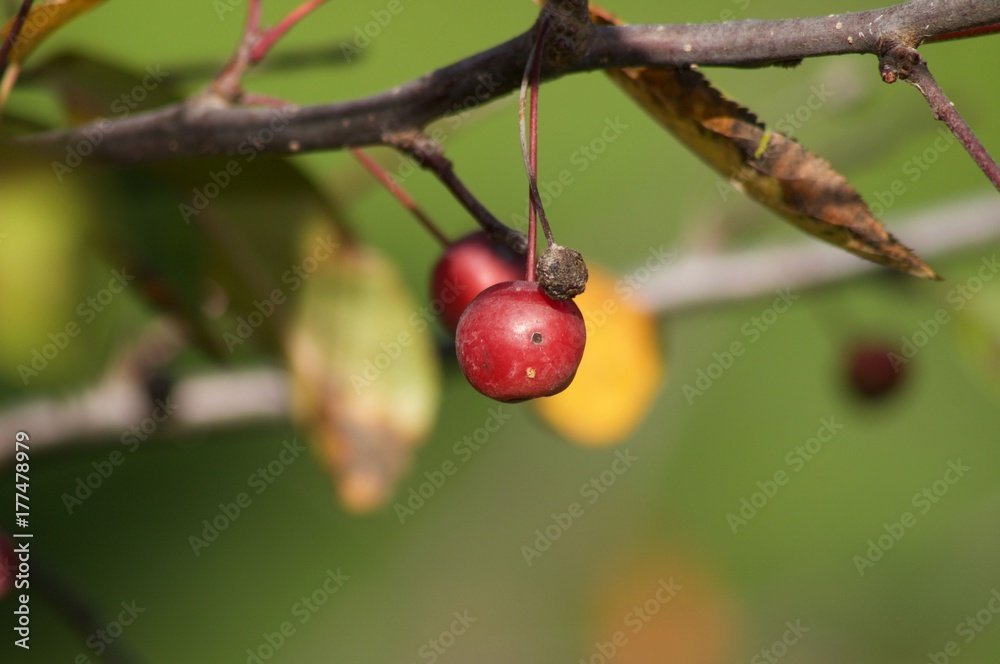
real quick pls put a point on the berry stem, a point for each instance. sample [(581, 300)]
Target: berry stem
[(536, 74), (529, 271), (400, 194), (529, 146)]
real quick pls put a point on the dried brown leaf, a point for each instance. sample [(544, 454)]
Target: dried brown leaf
[(771, 168)]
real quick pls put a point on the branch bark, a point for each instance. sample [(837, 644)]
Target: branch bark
[(207, 125)]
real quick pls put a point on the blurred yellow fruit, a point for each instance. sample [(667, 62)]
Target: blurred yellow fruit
[(621, 371)]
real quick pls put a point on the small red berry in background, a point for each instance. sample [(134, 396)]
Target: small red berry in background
[(467, 268), (872, 371), (514, 342), (8, 564)]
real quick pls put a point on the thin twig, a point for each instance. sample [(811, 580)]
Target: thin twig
[(906, 64), (429, 155), (228, 83), (400, 194), (269, 37), (255, 45)]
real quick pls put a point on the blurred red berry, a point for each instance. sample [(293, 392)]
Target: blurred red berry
[(874, 370), (8, 563), (467, 268)]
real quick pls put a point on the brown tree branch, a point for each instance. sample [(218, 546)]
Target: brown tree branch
[(209, 126)]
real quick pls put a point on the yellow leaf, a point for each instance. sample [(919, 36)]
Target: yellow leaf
[(42, 21), (769, 167), (622, 350), (366, 380)]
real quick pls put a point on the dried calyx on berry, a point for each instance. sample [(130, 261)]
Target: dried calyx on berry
[(562, 272)]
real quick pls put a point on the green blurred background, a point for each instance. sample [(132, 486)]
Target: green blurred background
[(665, 517)]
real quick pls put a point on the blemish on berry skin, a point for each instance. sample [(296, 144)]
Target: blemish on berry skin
[(536, 338), (530, 372)]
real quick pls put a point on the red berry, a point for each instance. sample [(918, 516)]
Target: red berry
[(467, 268), (514, 342), (8, 565), (872, 373)]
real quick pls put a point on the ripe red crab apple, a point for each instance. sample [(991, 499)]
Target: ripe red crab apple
[(514, 342), (467, 268)]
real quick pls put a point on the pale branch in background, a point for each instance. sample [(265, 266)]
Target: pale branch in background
[(716, 278), (110, 410)]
